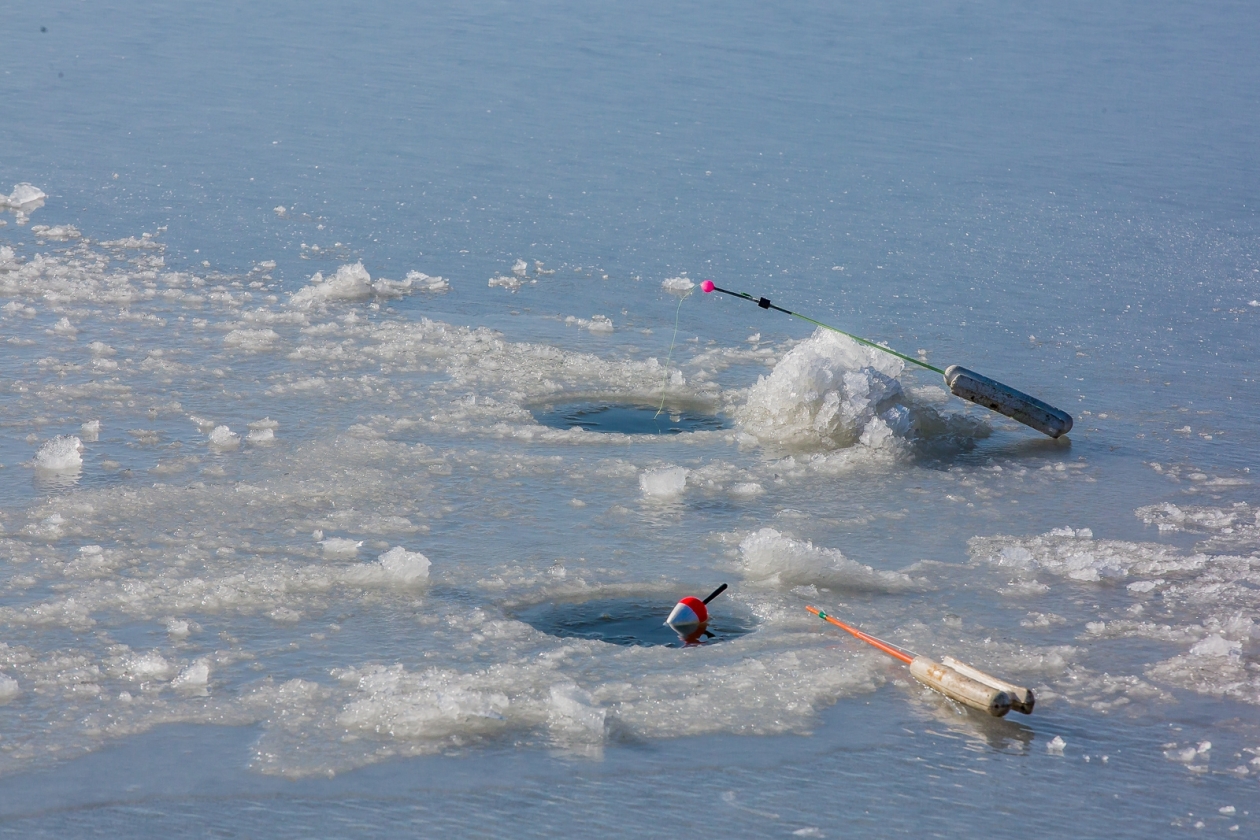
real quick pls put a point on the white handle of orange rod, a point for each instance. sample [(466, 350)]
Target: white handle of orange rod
[(956, 686), (1022, 699)]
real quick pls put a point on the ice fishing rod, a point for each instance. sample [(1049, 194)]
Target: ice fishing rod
[(956, 680), (968, 384)]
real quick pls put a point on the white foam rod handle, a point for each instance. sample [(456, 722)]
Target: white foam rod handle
[(1004, 399), (958, 687), (1022, 699)]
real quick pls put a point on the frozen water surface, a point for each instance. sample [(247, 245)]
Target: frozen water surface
[(288, 540)]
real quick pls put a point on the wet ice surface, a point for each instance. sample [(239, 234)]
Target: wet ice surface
[(282, 523), (343, 537)]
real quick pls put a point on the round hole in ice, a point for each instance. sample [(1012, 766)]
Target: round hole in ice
[(626, 418), (634, 622)]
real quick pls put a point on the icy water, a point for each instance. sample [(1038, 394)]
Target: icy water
[(291, 545)]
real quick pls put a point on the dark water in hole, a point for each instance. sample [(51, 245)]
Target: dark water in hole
[(635, 623), (626, 419)]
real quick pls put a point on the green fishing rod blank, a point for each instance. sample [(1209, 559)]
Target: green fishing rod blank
[(964, 383)]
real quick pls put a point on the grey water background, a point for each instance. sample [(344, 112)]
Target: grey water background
[(1063, 198)]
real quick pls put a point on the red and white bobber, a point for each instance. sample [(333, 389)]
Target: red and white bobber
[(690, 616)]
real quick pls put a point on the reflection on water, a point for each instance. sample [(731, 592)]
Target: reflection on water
[(55, 481)]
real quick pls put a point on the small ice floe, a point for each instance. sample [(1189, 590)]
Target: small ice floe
[(1056, 745), (60, 454), (253, 340), (144, 666), (520, 268), (677, 285), (596, 323), (91, 562), (431, 705), (667, 483), (770, 557), (397, 567), (512, 284), (194, 678), (223, 438), (280, 210), (425, 283), (1216, 645), (351, 282), (1188, 754), (1076, 555), (57, 233), (573, 714), (340, 547), (405, 567), (262, 431), (64, 327), (24, 200), (91, 430), (9, 688), (177, 629)]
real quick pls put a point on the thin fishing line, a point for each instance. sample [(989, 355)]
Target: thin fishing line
[(967, 384), (665, 380), (765, 303)]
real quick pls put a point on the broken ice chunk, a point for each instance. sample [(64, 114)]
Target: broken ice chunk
[(667, 483), (224, 438), (60, 454), (340, 546), (403, 566)]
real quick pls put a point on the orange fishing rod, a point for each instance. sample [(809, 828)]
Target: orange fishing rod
[(956, 680), (870, 640)]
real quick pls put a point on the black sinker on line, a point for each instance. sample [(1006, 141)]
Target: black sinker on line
[(626, 419), (623, 621)]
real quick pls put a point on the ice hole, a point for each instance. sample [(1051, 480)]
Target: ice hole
[(633, 622), (626, 419)]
